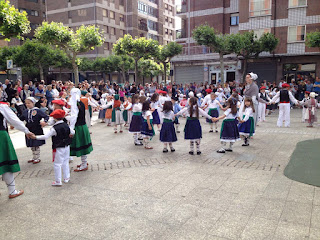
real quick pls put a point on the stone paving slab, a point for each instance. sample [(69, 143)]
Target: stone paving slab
[(131, 193)]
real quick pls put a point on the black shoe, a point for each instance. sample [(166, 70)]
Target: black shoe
[(245, 145), (165, 150), (198, 153), (138, 144), (210, 131), (178, 131), (229, 150), (221, 151), (191, 152), (216, 131), (172, 149), (140, 139)]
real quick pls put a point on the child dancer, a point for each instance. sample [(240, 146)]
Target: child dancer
[(212, 105), (136, 122), (117, 115), (129, 110), (311, 111), (60, 133), (33, 116), (304, 108), (102, 112), (263, 102), (246, 126), (81, 144), (192, 130), (229, 129), (176, 109), (147, 130), (167, 133), (155, 105), (108, 111), (9, 163)]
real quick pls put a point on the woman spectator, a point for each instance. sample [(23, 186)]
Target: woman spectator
[(49, 94), (18, 104)]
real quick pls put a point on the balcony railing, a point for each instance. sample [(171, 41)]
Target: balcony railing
[(181, 33), (195, 50), (143, 27)]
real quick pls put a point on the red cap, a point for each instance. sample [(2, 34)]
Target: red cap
[(263, 87), (61, 93), (58, 114), (163, 92), (307, 92), (59, 102), (208, 90), (285, 85)]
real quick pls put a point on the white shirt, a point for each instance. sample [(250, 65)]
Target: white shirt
[(229, 114), (147, 114), (248, 112), (155, 105), (12, 119), (168, 115), (212, 104), (137, 107), (194, 114)]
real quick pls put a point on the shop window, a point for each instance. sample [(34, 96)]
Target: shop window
[(260, 7), (296, 34), (297, 3)]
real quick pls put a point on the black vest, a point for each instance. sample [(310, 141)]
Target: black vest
[(81, 120), (3, 127), (62, 138), (284, 96), (264, 96)]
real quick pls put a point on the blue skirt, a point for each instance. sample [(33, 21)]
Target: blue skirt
[(145, 129), (192, 130), (229, 131), (168, 133), (34, 142), (136, 124), (247, 128), (156, 118), (213, 113), (102, 114)]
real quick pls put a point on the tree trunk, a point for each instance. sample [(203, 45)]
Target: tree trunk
[(245, 67), (75, 71), (136, 71), (41, 72), (165, 73), (221, 68), (123, 76)]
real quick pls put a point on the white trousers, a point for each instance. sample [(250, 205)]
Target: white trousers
[(284, 115), (61, 162), (119, 118), (129, 117), (303, 119), (262, 112)]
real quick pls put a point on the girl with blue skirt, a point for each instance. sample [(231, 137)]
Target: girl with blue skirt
[(168, 133), (192, 130), (246, 126), (147, 130), (212, 105), (136, 121), (156, 107), (229, 129)]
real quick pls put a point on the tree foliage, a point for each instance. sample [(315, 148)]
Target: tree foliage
[(82, 40), (148, 68), (13, 23), (313, 39), (7, 53), (136, 48)]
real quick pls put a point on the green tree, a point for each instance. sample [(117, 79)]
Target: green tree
[(136, 48), (313, 39), (248, 45), (148, 68), (13, 23), (82, 40), (7, 53), (61, 61), (125, 64), (36, 54), (166, 53), (218, 43)]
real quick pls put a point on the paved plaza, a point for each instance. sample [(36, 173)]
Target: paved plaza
[(133, 193)]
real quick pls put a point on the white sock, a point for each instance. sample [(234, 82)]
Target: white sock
[(9, 180), (83, 161)]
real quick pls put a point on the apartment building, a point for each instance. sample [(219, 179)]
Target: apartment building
[(289, 20), (153, 19)]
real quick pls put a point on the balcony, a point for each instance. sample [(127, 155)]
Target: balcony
[(181, 33), (143, 27), (181, 9), (195, 50)]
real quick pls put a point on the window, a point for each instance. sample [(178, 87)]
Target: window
[(145, 9), (166, 6), (166, 30), (106, 29), (113, 31), (104, 13), (111, 15), (82, 12), (152, 25), (121, 2), (170, 8), (34, 13), (297, 3), (121, 17), (234, 20), (166, 19), (260, 7), (260, 32), (44, 15), (296, 34), (111, 1), (106, 46), (170, 32), (33, 1), (121, 32), (170, 20)]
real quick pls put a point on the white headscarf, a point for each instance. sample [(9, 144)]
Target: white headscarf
[(75, 97), (32, 99), (191, 94), (253, 76)]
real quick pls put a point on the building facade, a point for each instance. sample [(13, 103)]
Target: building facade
[(140, 18), (288, 20)]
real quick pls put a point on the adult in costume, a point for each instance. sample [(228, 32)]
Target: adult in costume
[(81, 144), (8, 159), (283, 97)]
